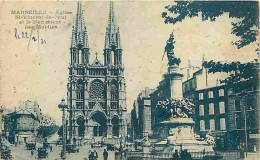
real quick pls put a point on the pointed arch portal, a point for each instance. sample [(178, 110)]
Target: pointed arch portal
[(115, 128), (81, 128), (98, 121)]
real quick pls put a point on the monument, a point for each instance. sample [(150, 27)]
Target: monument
[(178, 132)]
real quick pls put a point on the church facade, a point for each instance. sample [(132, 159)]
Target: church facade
[(96, 91)]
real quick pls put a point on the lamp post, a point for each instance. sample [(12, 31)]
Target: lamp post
[(63, 106)]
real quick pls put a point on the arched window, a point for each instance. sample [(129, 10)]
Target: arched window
[(114, 90), (112, 54), (80, 90), (96, 90), (114, 94)]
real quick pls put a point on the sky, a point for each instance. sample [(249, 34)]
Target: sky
[(32, 73)]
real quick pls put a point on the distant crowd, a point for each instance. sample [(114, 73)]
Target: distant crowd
[(184, 155)]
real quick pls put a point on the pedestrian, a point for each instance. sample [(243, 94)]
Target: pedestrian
[(188, 155), (91, 156), (50, 148), (105, 154), (182, 155), (95, 155), (175, 155), (185, 155), (32, 152)]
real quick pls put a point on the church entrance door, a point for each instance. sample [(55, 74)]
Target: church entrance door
[(115, 129), (81, 128), (99, 125)]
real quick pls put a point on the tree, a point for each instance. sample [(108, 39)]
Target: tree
[(248, 12), (239, 72), (60, 131), (46, 131)]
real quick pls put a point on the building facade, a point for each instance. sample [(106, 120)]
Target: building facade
[(211, 114), (23, 126), (243, 106), (96, 92), (142, 114), (220, 110)]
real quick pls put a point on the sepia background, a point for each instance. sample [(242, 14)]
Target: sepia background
[(42, 74)]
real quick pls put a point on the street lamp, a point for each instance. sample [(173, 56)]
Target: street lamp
[(63, 106)]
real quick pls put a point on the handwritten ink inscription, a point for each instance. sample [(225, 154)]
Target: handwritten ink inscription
[(32, 37)]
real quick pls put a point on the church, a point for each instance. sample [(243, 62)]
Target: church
[(96, 91)]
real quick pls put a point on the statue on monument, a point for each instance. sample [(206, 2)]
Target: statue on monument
[(169, 50), (177, 108)]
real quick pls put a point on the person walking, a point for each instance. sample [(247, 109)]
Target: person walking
[(91, 156), (95, 155), (175, 155), (185, 155), (105, 154), (32, 152), (51, 148)]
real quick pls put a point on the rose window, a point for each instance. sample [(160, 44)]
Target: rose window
[(96, 90)]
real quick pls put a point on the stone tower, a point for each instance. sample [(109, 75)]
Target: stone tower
[(96, 92)]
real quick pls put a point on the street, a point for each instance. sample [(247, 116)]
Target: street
[(20, 153)]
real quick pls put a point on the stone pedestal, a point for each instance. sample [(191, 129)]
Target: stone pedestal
[(146, 150), (175, 78), (181, 136)]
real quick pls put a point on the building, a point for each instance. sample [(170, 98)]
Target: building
[(221, 109), (47, 120), (96, 92), (243, 106), (211, 114), (31, 107), (141, 114), (23, 126)]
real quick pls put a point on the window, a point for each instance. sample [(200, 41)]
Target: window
[(202, 125), (96, 90), (212, 124), (114, 94), (201, 96), (237, 105), (238, 121), (80, 90), (251, 120), (79, 95), (201, 110), (79, 105), (222, 124), (250, 103), (221, 107), (210, 93), (211, 108), (221, 92)]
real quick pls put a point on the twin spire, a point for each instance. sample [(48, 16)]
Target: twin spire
[(80, 35), (112, 38)]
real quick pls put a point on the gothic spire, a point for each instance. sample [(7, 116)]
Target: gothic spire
[(112, 32), (80, 36)]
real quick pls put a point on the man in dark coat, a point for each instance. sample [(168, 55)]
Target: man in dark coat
[(105, 154), (175, 155)]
